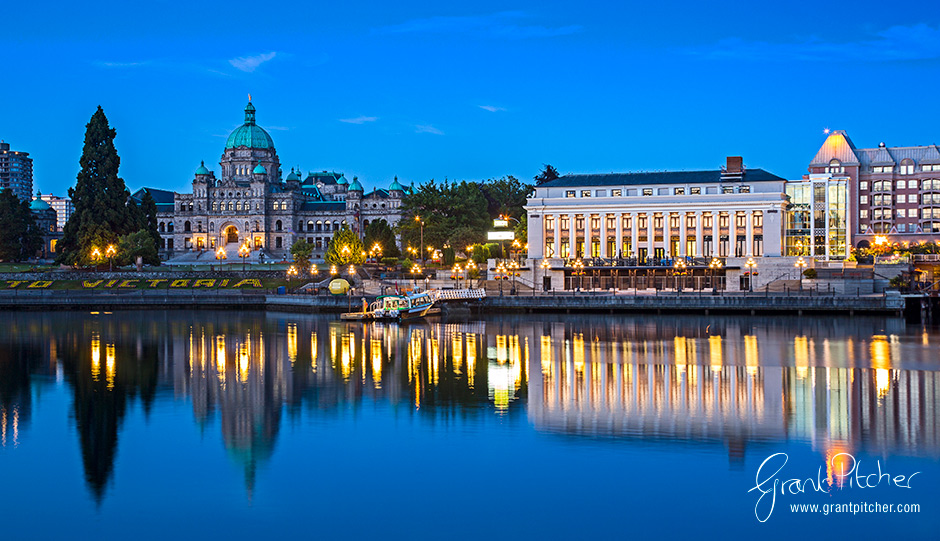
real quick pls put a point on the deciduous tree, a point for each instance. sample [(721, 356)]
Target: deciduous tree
[(344, 248)]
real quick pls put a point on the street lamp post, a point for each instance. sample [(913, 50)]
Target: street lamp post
[(751, 265), (800, 264), (415, 269), (291, 272), (513, 271), (714, 266), (678, 268), (244, 252), (96, 256), (110, 253), (421, 224), (455, 274), (579, 272), (471, 266), (545, 265), (220, 255)]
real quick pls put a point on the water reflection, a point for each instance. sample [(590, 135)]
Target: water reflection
[(838, 385)]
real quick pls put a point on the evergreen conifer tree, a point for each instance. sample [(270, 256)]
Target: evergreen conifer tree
[(101, 214)]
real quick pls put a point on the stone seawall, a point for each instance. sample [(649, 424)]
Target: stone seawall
[(260, 300)]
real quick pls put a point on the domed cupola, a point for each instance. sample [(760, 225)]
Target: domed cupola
[(202, 169), (38, 205), (395, 186), (293, 175), (259, 170), (249, 134), (355, 186)]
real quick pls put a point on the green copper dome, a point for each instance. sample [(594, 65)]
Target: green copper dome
[(293, 175), (39, 204), (249, 134), (341, 180), (395, 185), (260, 170), (355, 186), (202, 169)]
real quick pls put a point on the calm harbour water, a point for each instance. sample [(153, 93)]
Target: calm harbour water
[(155, 424)]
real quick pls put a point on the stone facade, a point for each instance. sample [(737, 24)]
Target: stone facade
[(251, 203)]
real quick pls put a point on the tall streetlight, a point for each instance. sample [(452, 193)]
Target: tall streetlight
[(110, 253), (220, 255), (579, 272), (513, 271), (96, 255), (715, 265), (243, 253), (455, 274), (421, 224), (291, 272), (471, 266), (751, 265), (415, 269), (678, 268), (800, 264), (545, 266), (500, 276)]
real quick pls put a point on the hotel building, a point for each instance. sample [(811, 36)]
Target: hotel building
[(851, 195), (16, 172), (652, 216)]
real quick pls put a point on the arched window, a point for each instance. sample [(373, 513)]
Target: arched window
[(907, 166), (277, 225), (211, 227), (835, 166), (169, 229), (300, 225), (365, 223), (319, 226), (231, 205), (187, 227), (257, 226), (162, 227), (182, 207), (309, 225)]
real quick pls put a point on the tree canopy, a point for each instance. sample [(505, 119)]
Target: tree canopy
[(345, 248), (102, 213), (301, 250), (378, 232), (20, 237), (505, 196), (444, 209), (548, 173)]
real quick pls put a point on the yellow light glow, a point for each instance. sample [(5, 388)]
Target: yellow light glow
[(95, 356), (881, 240), (292, 342), (220, 357), (109, 365)]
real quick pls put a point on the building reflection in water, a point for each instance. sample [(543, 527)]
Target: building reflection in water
[(838, 385)]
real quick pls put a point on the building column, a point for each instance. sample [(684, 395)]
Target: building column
[(572, 236), (716, 229), (587, 235), (604, 253), (556, 235), (650, 234), (618, 248), (683, 234), (635, 233), (699, 216), (749, 249)]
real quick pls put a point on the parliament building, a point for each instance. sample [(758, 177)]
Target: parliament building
[(252, 203)]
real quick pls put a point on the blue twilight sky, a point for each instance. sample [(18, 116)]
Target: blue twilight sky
[(466, 90)]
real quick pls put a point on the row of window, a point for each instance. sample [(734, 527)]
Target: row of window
[(740, 220), (671, 248), (886, 185), (237, 206), (905, 168), (319, 225), (886, 214), (887, 200), (633, 192)]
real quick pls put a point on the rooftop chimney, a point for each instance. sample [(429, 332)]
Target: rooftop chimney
[(735, 164)]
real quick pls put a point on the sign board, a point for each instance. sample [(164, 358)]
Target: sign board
[(500, 223), (500, 235)]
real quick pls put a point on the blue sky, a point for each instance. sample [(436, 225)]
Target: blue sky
[(466, 90)]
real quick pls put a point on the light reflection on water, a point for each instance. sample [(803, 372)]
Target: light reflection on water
[(852, 385)]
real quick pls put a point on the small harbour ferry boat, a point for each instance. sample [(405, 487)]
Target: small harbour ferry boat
[(415, 306)]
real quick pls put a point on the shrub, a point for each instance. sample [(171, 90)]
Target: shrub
[(810, 274)]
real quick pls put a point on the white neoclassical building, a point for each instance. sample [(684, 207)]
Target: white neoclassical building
[(652, 216)]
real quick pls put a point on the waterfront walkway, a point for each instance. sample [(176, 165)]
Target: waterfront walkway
[(642, 301)]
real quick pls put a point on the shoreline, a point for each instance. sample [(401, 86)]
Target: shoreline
[(749, 304)]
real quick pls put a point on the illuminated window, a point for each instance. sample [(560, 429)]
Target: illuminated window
[(744, 189), (835, 166), (727, 189), (647, 191), (585, 193), (569, 193), (863, 214), (678, 191), (695, 191), (907, 166), (616, 193), (863, 185)]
